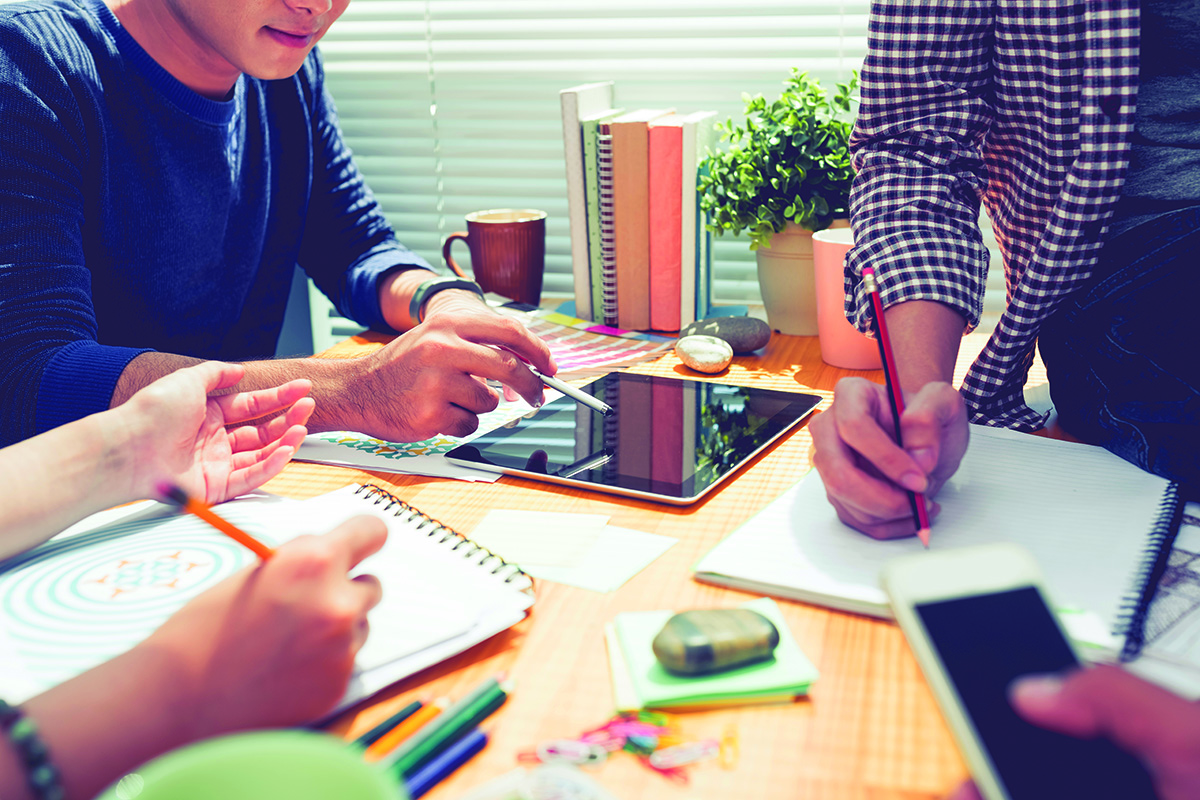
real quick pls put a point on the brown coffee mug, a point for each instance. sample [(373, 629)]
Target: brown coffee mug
[(508, 252)]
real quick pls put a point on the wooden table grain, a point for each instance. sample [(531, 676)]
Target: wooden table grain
[(869, 729)]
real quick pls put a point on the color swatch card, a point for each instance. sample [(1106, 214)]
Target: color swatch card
[(640, 681)]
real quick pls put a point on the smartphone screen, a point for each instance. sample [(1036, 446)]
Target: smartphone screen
[(984, 643)]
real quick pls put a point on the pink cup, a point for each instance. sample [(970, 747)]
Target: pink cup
[(841, 343)]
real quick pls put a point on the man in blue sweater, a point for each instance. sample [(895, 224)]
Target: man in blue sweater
[(163, 165)]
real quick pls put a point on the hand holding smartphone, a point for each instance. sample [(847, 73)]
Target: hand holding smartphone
[(976, 620)]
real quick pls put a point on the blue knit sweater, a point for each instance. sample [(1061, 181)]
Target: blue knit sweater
[(136, 214)]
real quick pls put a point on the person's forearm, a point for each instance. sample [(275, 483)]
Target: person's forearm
[(59, 477), (103, 723), (396, 291), (337, 383), (925, 336)]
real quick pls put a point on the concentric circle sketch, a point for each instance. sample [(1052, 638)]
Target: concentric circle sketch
[(70, 605)]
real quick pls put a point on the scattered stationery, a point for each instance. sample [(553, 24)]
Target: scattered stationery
[(439, 768), (545, 780), (373, 735), (1093, 522), (395, 737), (77, 601), (440, 733), (612, 560), (575, 549), (640, 681), (536, 539)]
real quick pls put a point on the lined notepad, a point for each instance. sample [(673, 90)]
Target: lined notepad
[(1090, 519)]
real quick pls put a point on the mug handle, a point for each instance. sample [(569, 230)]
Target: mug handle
[(450, 259)]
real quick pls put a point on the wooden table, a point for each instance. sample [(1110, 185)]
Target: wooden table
[(869, 728)]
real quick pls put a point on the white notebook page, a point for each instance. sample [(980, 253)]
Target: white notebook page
[(1083, 513)]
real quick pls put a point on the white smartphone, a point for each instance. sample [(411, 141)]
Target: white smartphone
[(976, 619)]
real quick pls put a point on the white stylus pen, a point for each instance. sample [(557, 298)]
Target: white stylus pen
[(573, 393)]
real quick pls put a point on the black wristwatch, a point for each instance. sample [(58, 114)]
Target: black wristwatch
[(416, 306)]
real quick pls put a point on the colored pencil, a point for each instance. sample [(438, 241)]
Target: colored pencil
[(915, 499), (448, 727), (370, 737), (396, 737), (180, 498), (438, 769)]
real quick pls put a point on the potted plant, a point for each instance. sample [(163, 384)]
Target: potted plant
[(786, 174)]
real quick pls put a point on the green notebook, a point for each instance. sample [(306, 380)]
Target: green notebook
[(639, 681)]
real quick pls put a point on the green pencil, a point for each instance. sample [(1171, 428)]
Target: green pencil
[(446, 728), (434, 724), (371, 736)]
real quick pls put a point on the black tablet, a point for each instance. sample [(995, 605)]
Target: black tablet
[(668, 439)]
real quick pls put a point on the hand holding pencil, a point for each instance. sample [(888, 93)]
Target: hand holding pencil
[(868, 476), (273, 645)]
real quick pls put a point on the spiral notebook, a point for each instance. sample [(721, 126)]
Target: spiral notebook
[(81, 599), (1099, 527)]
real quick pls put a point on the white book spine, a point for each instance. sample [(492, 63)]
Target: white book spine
[(579, 102)]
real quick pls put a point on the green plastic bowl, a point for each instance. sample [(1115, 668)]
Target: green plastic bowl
[(296, 765)]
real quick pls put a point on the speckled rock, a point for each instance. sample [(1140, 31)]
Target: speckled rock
[(704, 353), (744, 334)]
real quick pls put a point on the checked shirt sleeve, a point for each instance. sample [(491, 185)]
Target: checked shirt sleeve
[(916, 145)]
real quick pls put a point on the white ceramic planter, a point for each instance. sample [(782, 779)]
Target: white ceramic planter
[(785, 277)]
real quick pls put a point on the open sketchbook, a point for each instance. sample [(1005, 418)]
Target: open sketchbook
[(81, 599), (1095, 523)]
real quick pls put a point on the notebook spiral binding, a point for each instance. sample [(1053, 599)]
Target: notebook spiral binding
[(481, 556), (1133, 613)]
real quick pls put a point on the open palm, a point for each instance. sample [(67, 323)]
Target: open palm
[(184, 436)]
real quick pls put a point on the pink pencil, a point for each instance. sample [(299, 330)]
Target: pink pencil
[(891, 380)]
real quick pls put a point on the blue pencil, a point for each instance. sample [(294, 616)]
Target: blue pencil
[(445, 763)]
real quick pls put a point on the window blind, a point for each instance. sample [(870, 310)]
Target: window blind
[(452, 106)]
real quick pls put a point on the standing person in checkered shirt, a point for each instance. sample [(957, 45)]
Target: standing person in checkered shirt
[(1075, 125)]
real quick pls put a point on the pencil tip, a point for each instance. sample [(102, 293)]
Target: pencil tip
[(923, 535)]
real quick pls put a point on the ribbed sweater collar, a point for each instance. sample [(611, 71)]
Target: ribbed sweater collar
[(216, 112)]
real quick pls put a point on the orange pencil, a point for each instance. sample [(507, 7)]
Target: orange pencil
[(396, 736), (181, 499)]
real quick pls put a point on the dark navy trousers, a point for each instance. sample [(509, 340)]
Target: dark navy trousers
[(1123, 354)]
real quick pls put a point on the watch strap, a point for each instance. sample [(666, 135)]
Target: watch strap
[(416, 306)]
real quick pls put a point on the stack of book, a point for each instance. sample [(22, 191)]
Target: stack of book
[(639, 248)]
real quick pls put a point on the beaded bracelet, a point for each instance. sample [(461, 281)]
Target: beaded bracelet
[(34, 755)]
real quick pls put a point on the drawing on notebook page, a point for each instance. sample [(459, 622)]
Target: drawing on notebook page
[(71, 605), (75, 602)]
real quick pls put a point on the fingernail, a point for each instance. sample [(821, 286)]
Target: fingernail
[(925, 458), (913, 481), (1038, 687)]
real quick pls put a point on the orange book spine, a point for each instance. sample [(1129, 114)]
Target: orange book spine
[(665, 224)]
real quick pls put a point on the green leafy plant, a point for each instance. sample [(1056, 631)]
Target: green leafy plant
[(789, 162)]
